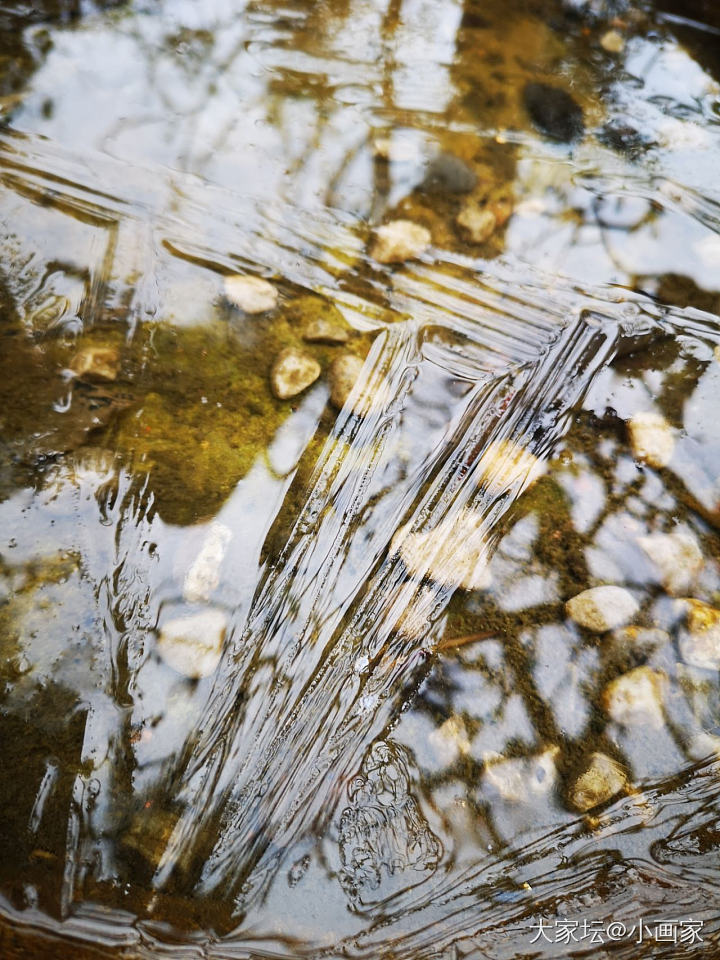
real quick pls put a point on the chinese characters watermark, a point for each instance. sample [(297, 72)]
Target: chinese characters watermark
[(566, 931)]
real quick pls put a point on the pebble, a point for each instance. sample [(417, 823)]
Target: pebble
[(603, 779), (343, 375), (677, 557), (447, 173), (612, 42), (400, 240), (651, 438), (293, 372), (97, 363), (505, 463), (602, 608), (204, 574), (700, 643), (476, 222), (452, 554), (193, 645), (522, 778), (251, 294), (636, 697), (325, 331), (554, 112)]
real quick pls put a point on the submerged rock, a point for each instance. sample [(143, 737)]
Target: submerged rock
[(636, 698), (505, 463), (602, 608), (602, 780), (400, 240), (700, 644), (612, 42), (204, 574), (677, 557), (193, 645), (325, 331), (343, 375), (148, 836), (293, 372), (554, 112), (477, 223), (452, 554), (251, 294), (97, 363), (524, 778), (447, 173), (651, 438)]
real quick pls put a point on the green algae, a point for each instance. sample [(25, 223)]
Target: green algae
[(205, 412)]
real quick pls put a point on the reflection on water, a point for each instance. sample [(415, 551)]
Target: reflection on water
[(283, 677)]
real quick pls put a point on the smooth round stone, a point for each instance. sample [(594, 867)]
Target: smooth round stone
[(700, 644), (193, 645), (400, 240), (343, 375), (293, 372), (602, 608), (447, 173), (251, 294), (612, 42), (554, 112), (325, 331), (452, 554), (602, 780), (203, 576), (651, 438), (636, 698), (506, 463), (477, 223)]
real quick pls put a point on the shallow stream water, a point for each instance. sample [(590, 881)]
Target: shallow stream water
[(386, 735)]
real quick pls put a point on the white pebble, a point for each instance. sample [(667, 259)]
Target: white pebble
[(700, 644), (477, 223), (602, 608), (453, 553), (204, 573), (400, 240), (651, 438), (251, 294), (293, 372), (193, 645), (636, 698), (612, 41), (506, 463), (602, 779)]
